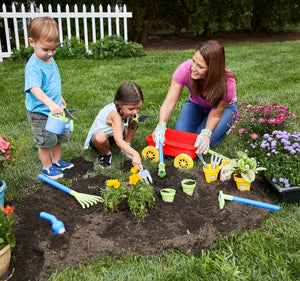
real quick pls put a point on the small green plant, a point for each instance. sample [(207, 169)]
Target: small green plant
[(244, 167), (113, 194), (6, 224), (140, 195)]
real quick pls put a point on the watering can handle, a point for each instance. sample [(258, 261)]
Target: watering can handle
[(55, 183), (256, 203)]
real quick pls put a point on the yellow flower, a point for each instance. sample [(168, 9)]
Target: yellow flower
[(134, 170), (133, 179), (114, 183)]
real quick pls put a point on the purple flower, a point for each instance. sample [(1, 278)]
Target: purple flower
[(266, 136), (273, 143)]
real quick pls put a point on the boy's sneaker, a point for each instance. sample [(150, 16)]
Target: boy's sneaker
[(62, 165), (52, 173), (105, 160)]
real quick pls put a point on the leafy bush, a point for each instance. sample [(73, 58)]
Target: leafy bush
[(21, 55), (73, 48), (112, 47)]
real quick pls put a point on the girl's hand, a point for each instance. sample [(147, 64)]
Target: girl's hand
[(137, 161), (133, 123)]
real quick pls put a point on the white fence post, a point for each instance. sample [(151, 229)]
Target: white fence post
[(21, 19)]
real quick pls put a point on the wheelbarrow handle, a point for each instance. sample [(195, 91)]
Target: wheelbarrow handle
[(55, 183)]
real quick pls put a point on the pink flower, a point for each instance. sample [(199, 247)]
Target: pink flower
[(261, 120), (272, 121), (254, 136), (241, 130), (4, 145)]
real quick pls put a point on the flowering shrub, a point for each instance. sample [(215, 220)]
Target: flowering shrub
[(256, 120), (113, 194), (140, 194), (279, 153), (10, 153), (6, 223)]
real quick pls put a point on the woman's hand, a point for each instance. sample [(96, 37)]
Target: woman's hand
[(202, 141), (158, 135)]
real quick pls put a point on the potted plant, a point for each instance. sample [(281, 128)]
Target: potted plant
[(244, 169), (7, 237)]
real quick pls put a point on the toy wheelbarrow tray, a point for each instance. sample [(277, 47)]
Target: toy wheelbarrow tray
[(178, 144)]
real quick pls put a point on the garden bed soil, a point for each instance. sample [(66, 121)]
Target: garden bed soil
[(189, 224)]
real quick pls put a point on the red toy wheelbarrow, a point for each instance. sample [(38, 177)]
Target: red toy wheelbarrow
[(178, 144)]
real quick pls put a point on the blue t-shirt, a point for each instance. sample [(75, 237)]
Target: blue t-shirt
[(45, 76)]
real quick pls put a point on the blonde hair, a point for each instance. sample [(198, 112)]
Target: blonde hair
[(44, 29)]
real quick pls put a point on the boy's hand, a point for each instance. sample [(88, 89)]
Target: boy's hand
[(55, 109)]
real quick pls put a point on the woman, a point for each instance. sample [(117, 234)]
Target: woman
[(212, 99)]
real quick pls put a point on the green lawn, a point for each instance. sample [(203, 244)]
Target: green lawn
[(269, 71)]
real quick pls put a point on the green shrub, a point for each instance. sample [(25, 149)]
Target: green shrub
[(112, 47), (21, 55), (73, 48)]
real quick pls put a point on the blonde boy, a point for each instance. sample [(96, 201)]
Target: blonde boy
[(43, 95)]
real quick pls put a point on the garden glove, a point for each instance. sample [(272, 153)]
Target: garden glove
[(202, 141), (159, 134)]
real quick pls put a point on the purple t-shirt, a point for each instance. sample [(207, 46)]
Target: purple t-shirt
[(182, 76)]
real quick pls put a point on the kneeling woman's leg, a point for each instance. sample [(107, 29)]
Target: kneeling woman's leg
[(190, 117), (219, 133)]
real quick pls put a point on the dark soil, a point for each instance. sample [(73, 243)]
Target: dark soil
[(189, 224)]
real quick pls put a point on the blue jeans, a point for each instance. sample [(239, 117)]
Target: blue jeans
[(193, 119)]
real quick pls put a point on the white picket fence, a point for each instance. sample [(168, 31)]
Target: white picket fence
[(16, 23)]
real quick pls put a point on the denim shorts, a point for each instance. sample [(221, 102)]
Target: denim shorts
[(42, 137)]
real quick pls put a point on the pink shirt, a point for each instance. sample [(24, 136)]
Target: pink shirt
[(182, 76)]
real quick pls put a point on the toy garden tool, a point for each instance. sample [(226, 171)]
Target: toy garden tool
[(202, 160), (223, 197), (141, 118), (215, 160), (68, 113), (146, 176), (85, 200), (57, 226), (161, 165)]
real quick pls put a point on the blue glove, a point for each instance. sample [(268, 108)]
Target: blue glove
[(159, 134), (202, 141)]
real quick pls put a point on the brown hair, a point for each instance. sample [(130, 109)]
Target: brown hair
[(213, 90), (44, 28), (128, 93)]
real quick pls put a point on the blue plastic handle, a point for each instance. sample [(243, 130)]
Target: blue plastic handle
[(161, 153), (55, 183), (256, 203), (57, 226)]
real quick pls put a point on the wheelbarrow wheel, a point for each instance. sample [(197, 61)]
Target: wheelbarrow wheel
[(151, 153), (183, 161)]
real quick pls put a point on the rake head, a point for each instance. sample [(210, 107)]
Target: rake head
[(86, 200)]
